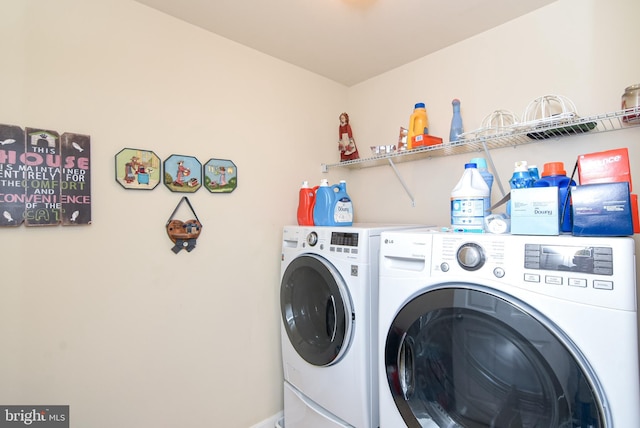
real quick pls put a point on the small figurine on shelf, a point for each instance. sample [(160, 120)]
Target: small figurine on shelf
[(346, 143)]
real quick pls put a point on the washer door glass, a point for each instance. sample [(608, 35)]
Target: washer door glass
[(316, 310), (460, 357)]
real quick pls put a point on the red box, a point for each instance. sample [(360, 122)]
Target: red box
[(610, 166), (425, 140)]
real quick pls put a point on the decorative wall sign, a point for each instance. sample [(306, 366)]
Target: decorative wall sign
[(41, 172), (138, 169), (44, 177), (220, 176), (76, 179), (12, 186), (182, 173)]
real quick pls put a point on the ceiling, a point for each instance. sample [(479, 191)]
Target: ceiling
[(347, 41)]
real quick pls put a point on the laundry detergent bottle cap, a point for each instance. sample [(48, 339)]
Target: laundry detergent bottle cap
[(480, 162), (521, 166), (306, 200), (553, 168), (324, 202)]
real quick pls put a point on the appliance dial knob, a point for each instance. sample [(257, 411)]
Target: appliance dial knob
[(470, 256), (312, 238)]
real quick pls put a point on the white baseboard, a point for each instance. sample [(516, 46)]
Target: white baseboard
[(270, 422)]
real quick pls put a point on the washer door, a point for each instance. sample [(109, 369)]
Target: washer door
[(462, 356), (316, 310)]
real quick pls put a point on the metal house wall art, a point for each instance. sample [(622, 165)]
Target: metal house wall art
[(45, 177)]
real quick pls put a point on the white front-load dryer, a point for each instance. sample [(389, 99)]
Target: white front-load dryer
[(481, 330), (328, 294)]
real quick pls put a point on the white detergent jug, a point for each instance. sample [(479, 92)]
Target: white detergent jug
[(468, 201)]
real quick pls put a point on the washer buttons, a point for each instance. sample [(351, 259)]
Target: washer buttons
[(498, 272)]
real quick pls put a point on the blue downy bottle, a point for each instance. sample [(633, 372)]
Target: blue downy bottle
[(342, 206), (333, 206)]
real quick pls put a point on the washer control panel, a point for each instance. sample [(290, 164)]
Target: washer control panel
[(569, 258), (574, 268), (529, 260)]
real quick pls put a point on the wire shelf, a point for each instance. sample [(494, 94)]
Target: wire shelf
[(516, 135)]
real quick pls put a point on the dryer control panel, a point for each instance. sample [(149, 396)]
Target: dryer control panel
[(345, 243), (349, 239)]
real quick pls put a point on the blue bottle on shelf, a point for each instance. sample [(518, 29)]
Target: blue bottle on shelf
[(456, 121)]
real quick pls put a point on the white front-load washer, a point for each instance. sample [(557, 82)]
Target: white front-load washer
[(328, 292), (481, 330)]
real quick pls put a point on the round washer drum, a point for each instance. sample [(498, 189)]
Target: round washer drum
[(316, 310), (461, 366)]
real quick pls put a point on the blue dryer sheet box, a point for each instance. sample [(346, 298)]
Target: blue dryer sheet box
[(534, 211), (602, 210)]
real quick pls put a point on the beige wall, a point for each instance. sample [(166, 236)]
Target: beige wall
[(107, 319)]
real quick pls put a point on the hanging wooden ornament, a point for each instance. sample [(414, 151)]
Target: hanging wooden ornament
[(183, 233)]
